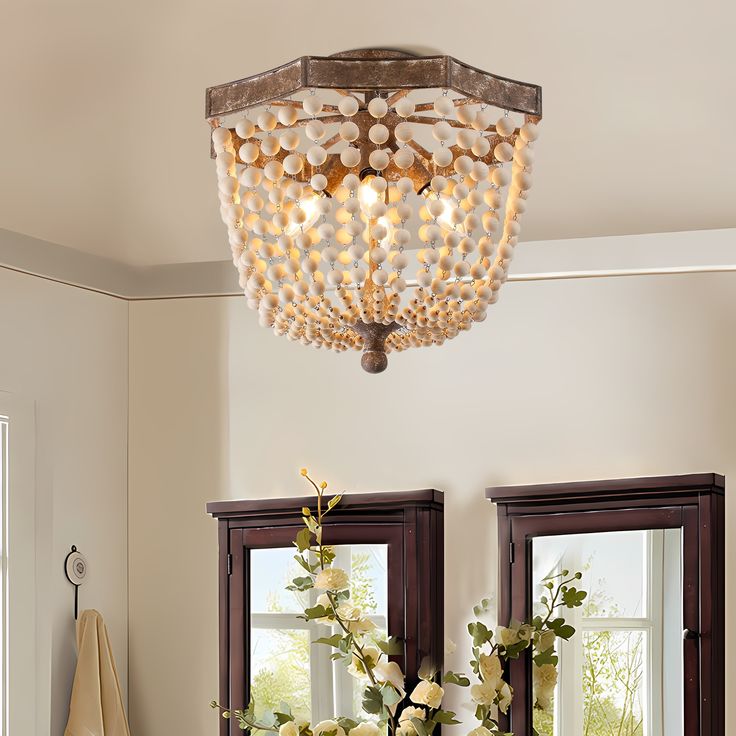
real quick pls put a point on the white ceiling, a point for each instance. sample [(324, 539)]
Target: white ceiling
[(103, 145)]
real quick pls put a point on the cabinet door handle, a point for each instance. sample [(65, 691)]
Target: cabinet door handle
[(690, 634)]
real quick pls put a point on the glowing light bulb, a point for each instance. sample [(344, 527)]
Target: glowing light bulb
[(367, 195), (309, 205)]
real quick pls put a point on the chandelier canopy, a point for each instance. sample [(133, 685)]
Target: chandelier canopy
[(373, 198)]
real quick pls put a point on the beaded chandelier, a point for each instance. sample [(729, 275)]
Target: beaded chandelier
[(372, 198)]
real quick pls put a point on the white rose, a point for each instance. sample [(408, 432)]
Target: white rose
[(289, 729), (544, 681), (353, 619), (327, 726), (546, 640), (483, 693), (491, 669), (427, 693), (357, 667), (506, 637), (367, 728), (406, 727), (331, 578), (505, 696), (386, 671)]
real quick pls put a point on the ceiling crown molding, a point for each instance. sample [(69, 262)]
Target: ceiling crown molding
[(701, 251)]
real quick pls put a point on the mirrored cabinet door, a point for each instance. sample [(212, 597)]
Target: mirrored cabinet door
[(647, 655), (391, 546)]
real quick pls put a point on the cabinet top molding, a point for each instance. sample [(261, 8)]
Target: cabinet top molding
[(599, 489)]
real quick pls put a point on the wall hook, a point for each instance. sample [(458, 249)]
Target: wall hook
[(75, 568)]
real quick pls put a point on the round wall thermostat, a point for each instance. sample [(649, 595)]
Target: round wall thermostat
[(76, 567)]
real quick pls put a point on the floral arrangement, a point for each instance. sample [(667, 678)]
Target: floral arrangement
[(366, 653)]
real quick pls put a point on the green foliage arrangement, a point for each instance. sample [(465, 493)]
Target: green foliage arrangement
[(366, 653)]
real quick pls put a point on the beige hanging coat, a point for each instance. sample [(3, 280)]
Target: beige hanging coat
[(96, 708)]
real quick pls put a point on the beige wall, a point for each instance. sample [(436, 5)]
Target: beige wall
[(566, 380), (65, 349)]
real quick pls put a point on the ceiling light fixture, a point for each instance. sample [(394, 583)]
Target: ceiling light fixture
[(332, 170)]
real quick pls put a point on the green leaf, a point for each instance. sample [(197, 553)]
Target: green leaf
[(573, 598), (391, 646), (316, 612), (419, 726), (390, 695), (333, 641), (347, 724), (563, 630), (456, 678), (303, 539), (333, 502), (446, 717), (303, 583), (282, 718), (373, 700), (546, 657), (480, 633)]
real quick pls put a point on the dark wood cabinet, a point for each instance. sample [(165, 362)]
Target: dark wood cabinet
[(409, 523), (694, 504)]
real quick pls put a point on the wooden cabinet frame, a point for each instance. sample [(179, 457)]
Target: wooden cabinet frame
[(694, 503), (410, 523)]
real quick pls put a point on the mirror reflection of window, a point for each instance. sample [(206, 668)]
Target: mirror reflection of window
[(621, 674), (285, 665)]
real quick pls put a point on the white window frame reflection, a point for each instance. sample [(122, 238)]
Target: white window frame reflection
[(659, 608), (335, 691)]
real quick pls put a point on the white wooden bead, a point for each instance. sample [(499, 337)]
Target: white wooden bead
[(500, 176), (404, 132), (378, 254), (479, 171), (379, 277), (287, 115), (377, 107), (221, 136), (289, 140), (315, 130), (293, 164), (335, 277), (378, 133), (404, 107), (452, 239), (466, 138), (228, 185), (506, 251), (524, 157), (349, 131), (379, 159), (351, 182), (318, 182), (248, 152), (267, 121), (270, 145), (348, 106), (350, 157), (251, 177), (443, 106), (294, 190), (404, 158), (245, 128), (424, 278), (398, 284), (402, 237), (471, 222), (512, 228), (378, 184), (503, 151), (438, 183), (482, 120), (312, 105), (316, 155), (481, 147), (436, 207), (273, 170), (529, 132), (460, 191), (505, 126), (442, 131), (523, 180), (442, 157), (463, 165), (461, 269), (400, 261), (465, 114), (405, 185)]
